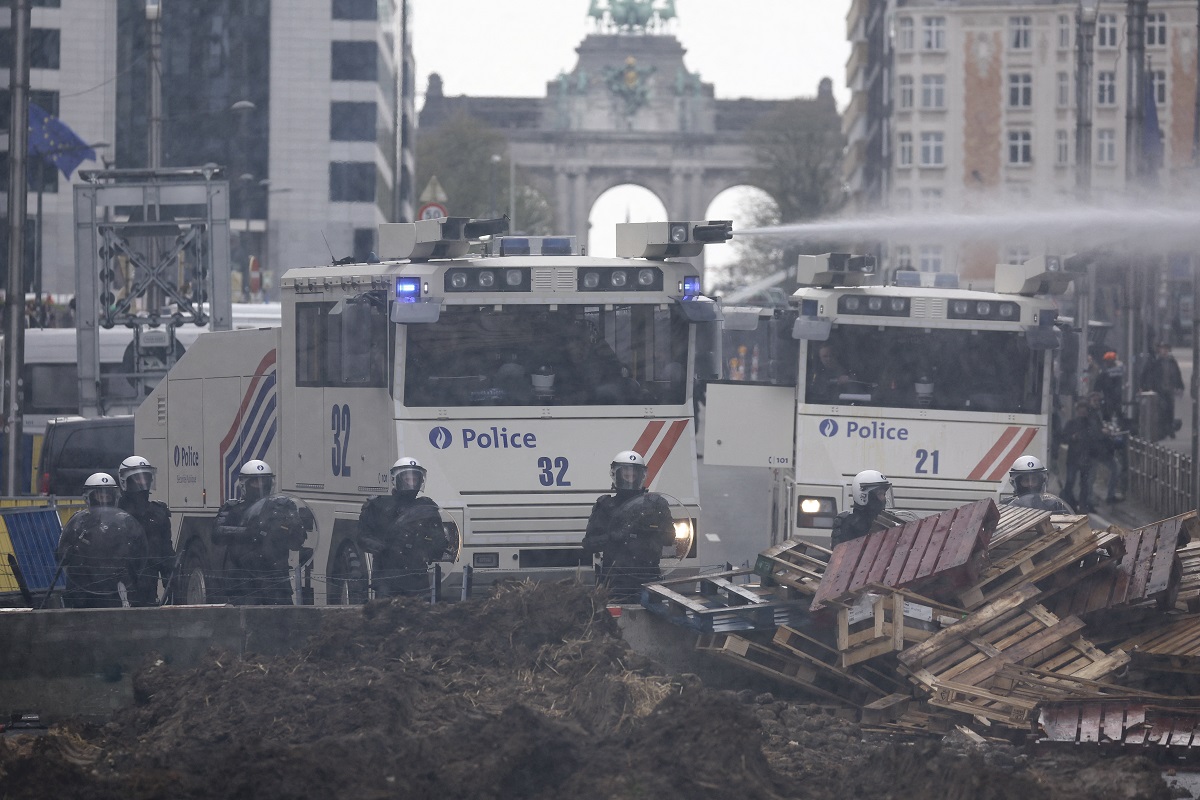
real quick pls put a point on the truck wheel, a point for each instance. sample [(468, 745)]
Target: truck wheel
[(347, 577), (194, 580)]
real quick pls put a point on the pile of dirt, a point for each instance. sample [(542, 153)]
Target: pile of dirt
[(529, 693)]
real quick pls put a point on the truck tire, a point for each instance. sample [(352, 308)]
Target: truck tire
[(347, 583), (195, 579)]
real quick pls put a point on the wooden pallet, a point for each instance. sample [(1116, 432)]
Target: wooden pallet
[(796, 564), (875, 681), (714, 603), (1006, 657), (807, 673), (945, 548), (879, 620), (1189, 580), (1147, 574), (1037, 558), (1016, 526), (1171, 648), (1137, 723)]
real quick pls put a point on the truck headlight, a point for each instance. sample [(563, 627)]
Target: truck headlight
[(815, 512)]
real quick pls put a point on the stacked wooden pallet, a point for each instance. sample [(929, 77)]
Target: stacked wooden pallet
[(1000, 618), (720, 602)]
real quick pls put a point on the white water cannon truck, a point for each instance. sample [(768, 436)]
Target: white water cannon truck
[(511, 367)]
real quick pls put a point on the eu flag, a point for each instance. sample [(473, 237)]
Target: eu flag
[(51, 140)]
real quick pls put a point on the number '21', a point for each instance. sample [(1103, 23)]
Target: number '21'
[(341, 439), (930, 456), (548, 478)]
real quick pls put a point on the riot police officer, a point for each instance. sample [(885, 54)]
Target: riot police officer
[(629, 529), (868, 496), (136, 479), (102, 550), (403, 532), (250, 526), (1029, 478)]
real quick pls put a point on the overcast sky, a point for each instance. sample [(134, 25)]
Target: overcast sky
[(767, 49), (746, 48)]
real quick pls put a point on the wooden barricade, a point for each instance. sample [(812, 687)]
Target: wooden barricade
[(1189, 579), (945, 549), (1140, 722), (1006, 657), (1171, 648), (714, 603)]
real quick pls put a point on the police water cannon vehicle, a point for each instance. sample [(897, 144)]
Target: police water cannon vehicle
[(509, 366), (938, 387)]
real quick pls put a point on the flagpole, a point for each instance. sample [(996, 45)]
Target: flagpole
[(18, 207)]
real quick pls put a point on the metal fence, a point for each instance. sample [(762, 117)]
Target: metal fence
[(1160, 478)]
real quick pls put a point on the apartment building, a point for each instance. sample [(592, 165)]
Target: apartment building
[(308, 105), (979, 107)]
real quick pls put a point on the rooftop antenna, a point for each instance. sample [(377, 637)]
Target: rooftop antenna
[(332, 257)]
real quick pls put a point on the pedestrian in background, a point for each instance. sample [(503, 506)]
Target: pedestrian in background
[(1084, 437), (1162, 377)]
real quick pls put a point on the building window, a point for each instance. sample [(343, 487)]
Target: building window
[(355, 61), (43, 47), (905, 39), (1106, 88), (931, 149), (1156, 29), (364, 244), (1158, 78), (933, 33), (1064, 30), (931, 199), (904, 257), (933, 91), (356, 9), (1020, 90), (1062, 148), (904, 150), (1106, 146), (351, 182), (1020, 32), (1063, 95), (904, 96), (931, 258), (1106, 30), (352, 122), (1020, 147)]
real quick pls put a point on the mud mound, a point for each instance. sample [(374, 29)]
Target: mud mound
[(529, 693)]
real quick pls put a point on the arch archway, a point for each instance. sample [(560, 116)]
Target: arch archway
[(748, 206), (627, 202)]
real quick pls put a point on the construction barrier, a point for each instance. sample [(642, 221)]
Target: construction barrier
[(1160, 478), (29, 531)]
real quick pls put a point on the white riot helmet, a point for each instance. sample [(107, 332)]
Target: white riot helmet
[(100, 490), (136, 475), (869, 482), (1029, 475), (628, 471), (255, 480), (408, 475)]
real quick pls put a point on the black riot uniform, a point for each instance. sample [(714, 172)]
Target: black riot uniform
[(1029, 478), (260, 534), (403, 533), (1043, 500), (629, 529), (155, 519), (102, 550)]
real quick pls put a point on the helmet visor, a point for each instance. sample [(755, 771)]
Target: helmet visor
[(408, 479), (629, 476), (257, 486), (140, 481), (102, 496), (1030, 483)]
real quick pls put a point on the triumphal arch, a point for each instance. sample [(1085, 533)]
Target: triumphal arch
[(628, 112)]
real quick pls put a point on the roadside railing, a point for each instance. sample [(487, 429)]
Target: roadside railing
[(1160, 478)]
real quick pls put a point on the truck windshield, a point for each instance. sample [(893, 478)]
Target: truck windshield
[(536, 355), (959, 370)]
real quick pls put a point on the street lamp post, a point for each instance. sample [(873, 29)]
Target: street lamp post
[(495, 159), (1085, 18)]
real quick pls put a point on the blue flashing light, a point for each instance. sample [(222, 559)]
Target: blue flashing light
[(945, 280), (808, 308), (691, 285), (408, 290), (907, 277), (558, 246), (514, 246)]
